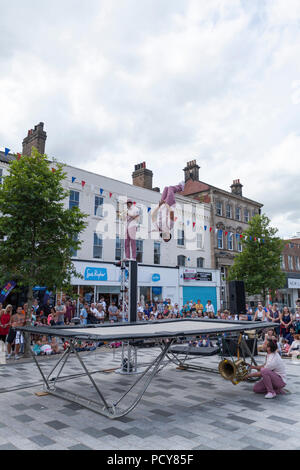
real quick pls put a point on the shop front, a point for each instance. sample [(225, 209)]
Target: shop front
[(103, 280), (289, 295), (157, 283), (200, 284)]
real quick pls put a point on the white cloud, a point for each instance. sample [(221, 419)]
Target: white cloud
[(164, 82)]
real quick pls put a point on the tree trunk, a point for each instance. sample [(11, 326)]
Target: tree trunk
[(27, 336)]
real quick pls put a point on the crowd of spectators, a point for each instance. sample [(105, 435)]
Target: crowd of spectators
[(286, 323)]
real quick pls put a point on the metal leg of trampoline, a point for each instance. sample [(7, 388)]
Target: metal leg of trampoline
[(109, 410)]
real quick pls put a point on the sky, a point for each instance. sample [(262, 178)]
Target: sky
[(162, 81)]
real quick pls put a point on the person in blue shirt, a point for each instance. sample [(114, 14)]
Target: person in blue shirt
[(84, 315)]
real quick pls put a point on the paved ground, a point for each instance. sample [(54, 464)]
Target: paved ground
[(180, 410)]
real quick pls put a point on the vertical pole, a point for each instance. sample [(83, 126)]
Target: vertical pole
[(78, 292), (132, 308)]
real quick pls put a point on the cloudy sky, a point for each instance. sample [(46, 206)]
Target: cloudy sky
[(118, 82)]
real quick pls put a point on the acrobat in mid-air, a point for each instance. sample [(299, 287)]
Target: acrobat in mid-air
[(163, 216)]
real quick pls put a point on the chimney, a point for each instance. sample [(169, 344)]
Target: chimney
[(35, 138), (236, 188), (191, 171), (142, 177)]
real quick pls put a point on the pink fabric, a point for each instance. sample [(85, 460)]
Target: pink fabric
[(169, 192), (130, 242), (271, 382)]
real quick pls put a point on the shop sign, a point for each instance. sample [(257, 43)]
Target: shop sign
[(155, 277), (293, 283), (95, 274), (193, 275)]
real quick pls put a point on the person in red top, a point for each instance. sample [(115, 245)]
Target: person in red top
[(5, 316)]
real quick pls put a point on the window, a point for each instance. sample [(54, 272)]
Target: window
[(230, 241), (98, 206), (181, 260), (238, 213), (282, 263), (98, 246), (74, 251), (297, 263), (74, 199), (1, 174), (118, 249), (199, 241), (200, 262), (141, 218), (239, 245), (139, 251), (228, 211), (156, 253), (246, 215), (290, 262), (218, 208), (180, 237), (220, 239)]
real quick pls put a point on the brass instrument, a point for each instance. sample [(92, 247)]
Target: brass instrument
[(234, 371)]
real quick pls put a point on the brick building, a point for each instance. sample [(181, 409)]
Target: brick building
[(230, 214), (290, 264)]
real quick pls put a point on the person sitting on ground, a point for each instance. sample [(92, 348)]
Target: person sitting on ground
[(285, 347), (294, 350), (290, 335), (272, 373), (45, 346), (54, 345), (209, 308)]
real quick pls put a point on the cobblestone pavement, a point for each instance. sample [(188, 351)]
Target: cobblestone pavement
[(180, 409)]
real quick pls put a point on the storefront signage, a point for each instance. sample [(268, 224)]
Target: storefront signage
[(293, 283), (193, 275), (95, 274), (155, 277)]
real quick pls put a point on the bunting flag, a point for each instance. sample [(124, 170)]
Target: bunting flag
[(149, 209), (210, 229), (187, 222), (205, 227), (83, 183), (73, 179), (53, 170), (194, 223), (110, 194), (226, 233), (6, 151), (101, 191), (18, 156)]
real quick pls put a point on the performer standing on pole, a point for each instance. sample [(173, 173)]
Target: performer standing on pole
[(132, 216)]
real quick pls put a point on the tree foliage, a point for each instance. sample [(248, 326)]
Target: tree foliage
[(39, 234), (258, 265)]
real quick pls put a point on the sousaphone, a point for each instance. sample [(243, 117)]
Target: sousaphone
[(236, 371)]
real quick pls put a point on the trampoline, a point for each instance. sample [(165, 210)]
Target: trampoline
[(165, 333)]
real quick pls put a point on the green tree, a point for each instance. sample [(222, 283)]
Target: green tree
[(39, 233), (258, 265)]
